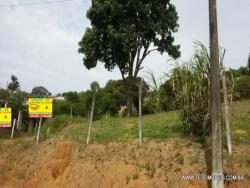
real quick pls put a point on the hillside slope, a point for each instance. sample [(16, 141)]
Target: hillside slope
[(62, 163), (114, 158)]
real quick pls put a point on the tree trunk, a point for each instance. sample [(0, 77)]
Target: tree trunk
[(91, 118), (129, 106), (19, 120), (30, 126), (38, 132), (227, 115), (140, 114), (129, 97), (215, 98)]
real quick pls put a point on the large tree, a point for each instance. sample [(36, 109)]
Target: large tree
[(124, 33)]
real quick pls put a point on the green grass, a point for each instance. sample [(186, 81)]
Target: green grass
[(240, 116), (58, 123), (156, 126), (162, 126), (159, 126)]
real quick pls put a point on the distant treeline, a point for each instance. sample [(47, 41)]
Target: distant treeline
[(156, 96)]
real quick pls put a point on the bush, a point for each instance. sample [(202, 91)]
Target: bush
[(148, 107), (168, 96), (242, 87)]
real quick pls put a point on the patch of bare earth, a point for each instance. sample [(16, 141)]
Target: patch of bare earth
[(60, 163)]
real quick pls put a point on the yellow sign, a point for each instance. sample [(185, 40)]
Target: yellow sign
[(40, 107), (5, 117)]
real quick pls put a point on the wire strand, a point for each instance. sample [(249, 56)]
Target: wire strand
[(30, 4)]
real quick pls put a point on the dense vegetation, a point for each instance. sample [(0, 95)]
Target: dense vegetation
[(163, 95), (164, 125)]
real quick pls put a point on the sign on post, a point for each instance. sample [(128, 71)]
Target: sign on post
[(40, 107), (5, 117)]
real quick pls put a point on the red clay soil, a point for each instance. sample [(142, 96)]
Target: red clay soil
[(57, 163)]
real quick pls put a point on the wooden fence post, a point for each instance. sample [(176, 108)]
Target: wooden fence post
[(140, 113), (91, 118), (13, 128), (227, 115), (38, 132)]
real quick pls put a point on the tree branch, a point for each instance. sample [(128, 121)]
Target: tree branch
[(139, 60), (151, 51), (122, 73), (138, 54)]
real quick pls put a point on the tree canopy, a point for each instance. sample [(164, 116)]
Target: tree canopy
[(40, 91), (121, 30), (71, 96)]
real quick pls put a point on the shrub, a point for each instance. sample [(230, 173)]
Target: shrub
[(242, 87)]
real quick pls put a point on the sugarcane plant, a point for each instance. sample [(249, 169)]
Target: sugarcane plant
[(156, 92), (191, 85)]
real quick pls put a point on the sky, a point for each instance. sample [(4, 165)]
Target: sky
[(39, 43)]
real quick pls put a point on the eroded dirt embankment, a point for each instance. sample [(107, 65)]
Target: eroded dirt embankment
[(62, 163)]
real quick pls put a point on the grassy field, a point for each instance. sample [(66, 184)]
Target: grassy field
[(160, 126), (240, 118)]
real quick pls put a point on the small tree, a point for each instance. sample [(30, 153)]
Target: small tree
[(72, 98), (17, 102), (14, 84), (17, 98), (94, 88)]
